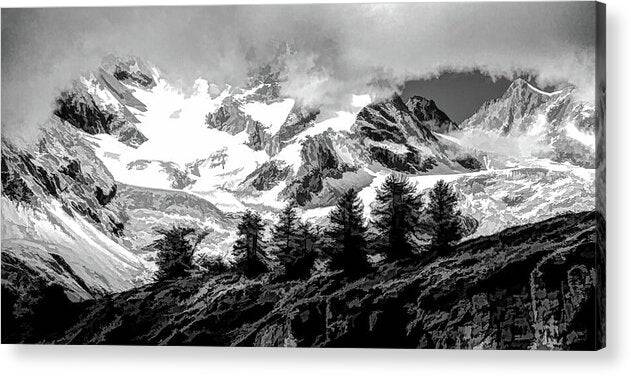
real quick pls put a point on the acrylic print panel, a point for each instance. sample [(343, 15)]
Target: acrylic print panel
[(424, 175)]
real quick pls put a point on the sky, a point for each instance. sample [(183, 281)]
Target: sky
[(341, 49), (460, 94)]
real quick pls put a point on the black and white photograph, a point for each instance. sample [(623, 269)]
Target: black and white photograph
[(377, 175)]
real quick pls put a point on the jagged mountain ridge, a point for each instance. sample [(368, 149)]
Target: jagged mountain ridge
[(272, 130), (273, 149), (251, 148)]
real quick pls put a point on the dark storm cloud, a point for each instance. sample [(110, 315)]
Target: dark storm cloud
[(342, 49)]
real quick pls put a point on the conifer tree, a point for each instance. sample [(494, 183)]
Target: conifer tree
[(249, 248), (175, 251), (292, 244), (444, 216), (301, 260), (285, 233), (397, 217), (346, 235)]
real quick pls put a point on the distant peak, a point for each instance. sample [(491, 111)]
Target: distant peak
[(521, 84), (129, 68)]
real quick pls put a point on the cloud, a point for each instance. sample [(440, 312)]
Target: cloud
[(341, 49)]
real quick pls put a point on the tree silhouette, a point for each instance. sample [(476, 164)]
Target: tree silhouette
[(397, 217), (293, 243), (175, 251), (444, 217), (249, 248), (285, 235), (346, 235), (303, 258)]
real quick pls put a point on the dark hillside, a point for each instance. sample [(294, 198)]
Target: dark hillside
[(526, 287)]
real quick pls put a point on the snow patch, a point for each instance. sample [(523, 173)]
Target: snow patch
[(584, 138), (341, 122), (290, 155), (271, 115), (549, 94)]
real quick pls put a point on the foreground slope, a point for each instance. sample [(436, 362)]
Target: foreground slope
[(527, 287)]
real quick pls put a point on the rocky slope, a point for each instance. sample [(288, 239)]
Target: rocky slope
[(529, 287)]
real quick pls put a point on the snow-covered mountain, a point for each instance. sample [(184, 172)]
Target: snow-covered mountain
[(59, 217), (128, 151), (559, 122), (250, 147)]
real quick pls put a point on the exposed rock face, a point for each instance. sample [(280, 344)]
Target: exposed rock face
[(430, 115), (320, 162), (399, 140), (99, 104), (232, 119), (229, 118), (558, 120), (267, 176), (299, 119), (130, 135), (64, 167), (267, 78), (385, 135), (497, 292), (79, 109), (514, 111), (130, 70), (392, 121)]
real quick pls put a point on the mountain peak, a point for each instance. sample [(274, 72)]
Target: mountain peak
[(129, 69), (428, 113), (523, 87)]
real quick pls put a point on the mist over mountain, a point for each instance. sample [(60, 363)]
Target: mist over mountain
[(339, 49)]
